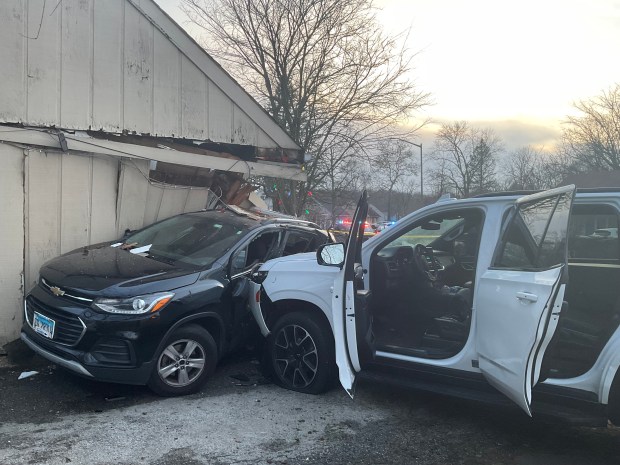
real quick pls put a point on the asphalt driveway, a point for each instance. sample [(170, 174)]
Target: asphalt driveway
[(55, 417)]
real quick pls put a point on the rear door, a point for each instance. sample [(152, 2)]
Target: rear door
[(346, 286), (519, 297)]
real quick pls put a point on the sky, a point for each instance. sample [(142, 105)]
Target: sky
[(516, 67)]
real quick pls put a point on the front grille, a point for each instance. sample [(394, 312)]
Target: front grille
[(68, 329), (112, 351), (48, 286)]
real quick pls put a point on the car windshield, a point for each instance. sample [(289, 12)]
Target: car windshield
[(195, 240)]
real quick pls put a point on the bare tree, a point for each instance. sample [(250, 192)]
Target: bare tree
[(392, 163), (323, 69), (526, 169), (466, 159), (592, 139)]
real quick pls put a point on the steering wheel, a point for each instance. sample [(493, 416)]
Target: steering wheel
[(423, 259)]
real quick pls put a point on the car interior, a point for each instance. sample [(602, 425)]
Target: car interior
[(591, 313), (421, 286)]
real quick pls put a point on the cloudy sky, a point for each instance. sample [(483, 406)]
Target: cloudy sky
[(513, 66)]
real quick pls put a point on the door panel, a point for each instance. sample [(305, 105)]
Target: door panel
[(343, 301), (519, 298)]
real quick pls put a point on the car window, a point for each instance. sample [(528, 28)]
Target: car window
[(442, 231), (593, 234), (192, 239), (536, 236), (262, 248), (298, 242)]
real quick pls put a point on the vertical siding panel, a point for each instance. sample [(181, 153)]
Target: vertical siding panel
[(12, 241), (44, 171), (133, 188), (172, 203), (244, 129), (138, 72), (76, 64), (196, 200), (263, 140), (194, 88), (153, 202), (75, 201), (103, 211), (220, 115), (107, 61), (43, 64), (166, 89), (12, 57)]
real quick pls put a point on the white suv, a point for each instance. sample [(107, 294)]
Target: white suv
[(461, 297)]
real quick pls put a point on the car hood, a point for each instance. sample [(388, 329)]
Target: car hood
[(110, 271)]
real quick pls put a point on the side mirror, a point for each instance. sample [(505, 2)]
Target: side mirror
[(330, 254)]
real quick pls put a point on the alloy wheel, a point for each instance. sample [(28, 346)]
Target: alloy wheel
[(295, 356), (181, 363)]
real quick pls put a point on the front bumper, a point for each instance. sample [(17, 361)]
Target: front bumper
[(106, 347)]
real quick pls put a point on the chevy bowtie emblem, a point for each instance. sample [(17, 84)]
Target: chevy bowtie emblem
[(58, 292)]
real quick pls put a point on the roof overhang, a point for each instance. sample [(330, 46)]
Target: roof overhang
[(82, 142)]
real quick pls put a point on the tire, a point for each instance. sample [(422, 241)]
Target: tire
[(300, 353), (185, 362)]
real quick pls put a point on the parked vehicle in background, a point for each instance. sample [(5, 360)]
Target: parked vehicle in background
[(492, 298), (162, 306)]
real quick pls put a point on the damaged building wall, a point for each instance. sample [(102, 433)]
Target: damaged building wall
[(53, 202)]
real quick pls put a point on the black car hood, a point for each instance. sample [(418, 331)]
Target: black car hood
[(110, 271)]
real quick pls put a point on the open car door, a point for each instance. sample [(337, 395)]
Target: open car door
[(343, 299), (520, 296)]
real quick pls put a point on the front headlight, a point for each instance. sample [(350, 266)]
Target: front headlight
[(134, 305)]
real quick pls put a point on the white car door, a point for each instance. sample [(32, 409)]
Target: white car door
[(519, 297), (343, 300)]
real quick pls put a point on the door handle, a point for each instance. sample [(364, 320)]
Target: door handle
[(527, 296)]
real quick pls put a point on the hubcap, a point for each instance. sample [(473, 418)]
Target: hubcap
[(295, 356), (181, 363)]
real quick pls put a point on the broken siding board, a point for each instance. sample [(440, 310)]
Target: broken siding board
[(166, 77), (104, 187), (132, 191), (244, 129), (43, 203), (138, 73), (76, 76), (43, 64), (12, 52), (108, 65), (220, 115), (75, 201), (11, 240), (193, 100)]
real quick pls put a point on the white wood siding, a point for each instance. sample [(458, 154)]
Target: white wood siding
[(107, 65), (71, 200), (11, 241)]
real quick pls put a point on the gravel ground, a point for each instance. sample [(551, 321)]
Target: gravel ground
[(55, 417)]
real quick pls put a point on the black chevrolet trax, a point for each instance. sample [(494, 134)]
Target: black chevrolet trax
[(164, 304)]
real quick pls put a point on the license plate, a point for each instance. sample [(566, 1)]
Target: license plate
[(43, 325)]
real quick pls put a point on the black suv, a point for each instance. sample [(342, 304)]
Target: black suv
[(163, 305)]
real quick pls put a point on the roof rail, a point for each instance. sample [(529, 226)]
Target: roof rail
[(291, 220)]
